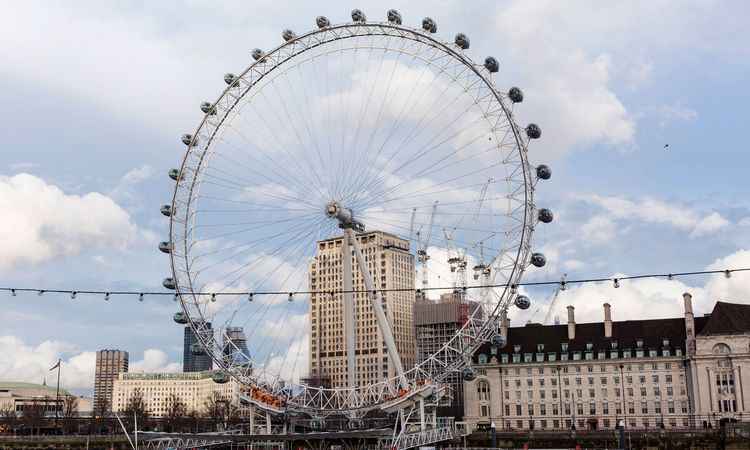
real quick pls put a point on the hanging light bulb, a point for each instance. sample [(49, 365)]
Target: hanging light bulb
[(106, 296), (175, 298), (73, 295), (13, 292), (213, 297), (670, 277), (727, 273), (140, 297), (250, 297), (616, 283), (563, 285), (291, 297), (513, 289), (41, 291)]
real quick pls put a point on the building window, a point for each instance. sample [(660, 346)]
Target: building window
[(483, 389), (665, 352), (540, 347), (518, 410), (543, 409), (652, 353), (626, 354), (576, 356), (639, 343), (507, 410), (564, 346), (551, 356), (484, 410), (504, 358), (527, 357)]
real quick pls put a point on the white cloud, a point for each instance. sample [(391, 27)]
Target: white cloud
[(41, 222), (155, 360), (138, 175), (651, 210), (676, 112), (598, 230), (20, 361)]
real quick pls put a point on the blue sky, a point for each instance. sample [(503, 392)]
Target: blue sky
[(96, 95)]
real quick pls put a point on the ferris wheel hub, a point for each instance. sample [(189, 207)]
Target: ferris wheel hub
[(344, 215)]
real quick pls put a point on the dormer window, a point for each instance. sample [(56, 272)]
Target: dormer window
[(665, 342), (589, 346), (613, 344), (540, 347), (516, 348), (639, 343), (564, 346)]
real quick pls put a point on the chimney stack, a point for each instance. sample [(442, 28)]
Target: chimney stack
[(504, 324), (689, 324), (607, 320), (571, 323)]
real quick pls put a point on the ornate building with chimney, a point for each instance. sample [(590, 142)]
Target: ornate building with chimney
[(662, 373)]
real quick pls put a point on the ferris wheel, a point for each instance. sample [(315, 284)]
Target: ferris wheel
[(341, 177)]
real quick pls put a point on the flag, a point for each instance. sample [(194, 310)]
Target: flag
[(57, 365)]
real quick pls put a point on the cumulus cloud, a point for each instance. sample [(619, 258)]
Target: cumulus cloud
[(651, 210), (598, 230), (20, 361), (41, 222), (653, 298)]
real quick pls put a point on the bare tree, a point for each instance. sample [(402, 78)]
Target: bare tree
[(9, 421), (219, 410), (32, 415), (136, 407), (70, 414), (176, 413)]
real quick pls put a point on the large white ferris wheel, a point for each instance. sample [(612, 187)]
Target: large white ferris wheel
[(350, 128)]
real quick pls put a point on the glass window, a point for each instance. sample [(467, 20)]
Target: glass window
[(482, 358), (576, 356), (539, 347), (564, 346), (652, 353), (551, 356), (527, 357), (504, 358)]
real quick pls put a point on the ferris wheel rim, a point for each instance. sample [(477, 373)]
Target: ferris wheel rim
[(521, 254)]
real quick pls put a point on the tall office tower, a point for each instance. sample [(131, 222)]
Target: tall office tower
[(192, 362), (392, 267), (436, 322), (109, 364), (234, 346)]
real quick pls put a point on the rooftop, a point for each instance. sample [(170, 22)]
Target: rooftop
[(22, 386)]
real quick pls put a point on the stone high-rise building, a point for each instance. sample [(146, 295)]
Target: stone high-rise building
[(391, 266), (194, 362), (109, 364), (684, 372)]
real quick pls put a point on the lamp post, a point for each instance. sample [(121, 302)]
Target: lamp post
[(494, 434)]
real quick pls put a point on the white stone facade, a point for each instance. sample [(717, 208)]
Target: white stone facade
[(641, 373)]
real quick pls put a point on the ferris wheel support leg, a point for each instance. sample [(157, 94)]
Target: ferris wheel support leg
[(376, 299), (349, 318)]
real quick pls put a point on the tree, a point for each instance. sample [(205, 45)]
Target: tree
[(136, 408), (176, 413), (33, 413), (70, 414), (8, 420), (219, 410)]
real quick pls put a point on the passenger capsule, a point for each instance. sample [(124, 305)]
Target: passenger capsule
[(288, 35), (499, 340), (358, 16), (491, 64), (538, 259), (165, 247), (429, 25), (394, 16), (543, 172), (515, 94), (522, 302), (169, 283), (257, 54), (469, 374), (208, 108), (220, 377), (533, 131), (322, 22), (231, 79), (545, 215), (187, 139), (197, 349), (180, 317), (166, 210), (174, 174), (462, 41)]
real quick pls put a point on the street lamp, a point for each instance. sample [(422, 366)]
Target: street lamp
[(494, 434)]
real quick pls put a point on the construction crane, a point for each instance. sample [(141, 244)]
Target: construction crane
[(553, 303), (422, 256), (456, 261)]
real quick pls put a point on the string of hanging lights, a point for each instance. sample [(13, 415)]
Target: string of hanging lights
[(563, 283)]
